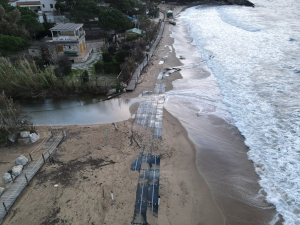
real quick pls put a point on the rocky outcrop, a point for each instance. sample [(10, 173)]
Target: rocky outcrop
[(22, 160), (33, 137), (240, 2), (7, 178), (16, 170), (24, 134), (222, 2), (1, 190)]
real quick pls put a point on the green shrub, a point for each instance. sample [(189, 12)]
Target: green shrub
[(65, 65), (40, 63), (11, 43), (112, 49), (112, 67), (121, 55), (107, 57), (99, 67), (85, 76), (125, 47), (107, 67), (133, 37), (57, 73)]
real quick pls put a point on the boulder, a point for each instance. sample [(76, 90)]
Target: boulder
[(34, 137), (23, 141), (24, 134), (1, 190), (22, 160), (124, 85), (12, 138), (7, 177), (111, 91), (16, 170)]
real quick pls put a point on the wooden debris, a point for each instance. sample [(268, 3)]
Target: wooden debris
[(115, 125)]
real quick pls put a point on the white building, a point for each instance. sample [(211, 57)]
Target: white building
[(48, 5), (69, 40), (42, 7)]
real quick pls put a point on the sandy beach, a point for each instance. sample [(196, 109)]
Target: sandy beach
[(90, 165)]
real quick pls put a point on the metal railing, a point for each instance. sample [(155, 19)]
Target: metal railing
[(18, 184)]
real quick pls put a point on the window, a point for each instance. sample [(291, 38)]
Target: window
[(51, 6), (60, 48), (43, 6)]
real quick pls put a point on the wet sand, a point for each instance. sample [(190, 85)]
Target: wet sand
[(91, 165), (221, 154)]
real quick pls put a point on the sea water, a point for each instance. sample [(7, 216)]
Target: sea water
[(253, 55)]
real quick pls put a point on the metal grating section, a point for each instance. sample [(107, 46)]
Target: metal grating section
[(148, 187), (150, 112), (20, 183)]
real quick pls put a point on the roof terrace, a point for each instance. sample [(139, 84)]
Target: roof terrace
[(67, 32)]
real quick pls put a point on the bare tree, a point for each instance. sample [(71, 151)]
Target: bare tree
[(12, 118)]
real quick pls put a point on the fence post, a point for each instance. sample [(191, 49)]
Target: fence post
[(12, 178), (5, 207), (43, 157), (26, 179), (30, 157)]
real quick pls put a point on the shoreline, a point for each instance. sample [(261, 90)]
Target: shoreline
[(221, 151), (185, 196), (185, 193)]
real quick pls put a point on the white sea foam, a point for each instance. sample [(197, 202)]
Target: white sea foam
[(254, 54)]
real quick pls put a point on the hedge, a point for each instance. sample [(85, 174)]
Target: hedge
[(107, 67), (121, 55), (107, 57), (11, 43)]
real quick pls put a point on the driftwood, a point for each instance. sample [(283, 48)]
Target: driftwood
[(135, 141), (115, 125)]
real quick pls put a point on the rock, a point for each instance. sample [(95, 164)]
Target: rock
[(111, 91), (124, 90), (1, 190), (23, 141), (24, 134), (16, 170), (12, 138), (22, 160), (7, 177), (34, 137), (124, 85)]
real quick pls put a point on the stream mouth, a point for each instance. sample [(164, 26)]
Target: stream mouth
[(81, 110)]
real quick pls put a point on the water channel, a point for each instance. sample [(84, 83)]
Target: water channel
[(77, 110)]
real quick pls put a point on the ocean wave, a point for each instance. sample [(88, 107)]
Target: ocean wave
[(257, 74)]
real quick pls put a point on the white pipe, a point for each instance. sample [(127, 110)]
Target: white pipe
[(136, 164), (141, 199)]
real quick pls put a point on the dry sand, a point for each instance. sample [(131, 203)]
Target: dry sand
[(90, 165)]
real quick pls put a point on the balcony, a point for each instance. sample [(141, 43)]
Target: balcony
[(68, 37)]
